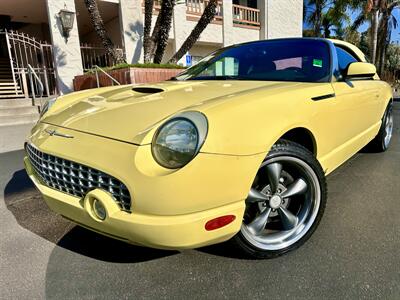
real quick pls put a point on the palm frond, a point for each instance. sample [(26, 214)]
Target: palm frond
[(360, 20)]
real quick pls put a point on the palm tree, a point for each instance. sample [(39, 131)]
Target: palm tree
[(150, 41), (207, 16), (148, 14), (101, 31), (380, 15), (386, 23), (370, 12), (334, 19), (324, 15), (313, 11), (373, 7), (167, 8)]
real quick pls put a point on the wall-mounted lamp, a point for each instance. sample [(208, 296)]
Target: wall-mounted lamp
[(67, 21)]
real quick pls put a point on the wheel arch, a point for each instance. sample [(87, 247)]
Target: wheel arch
[(303, 137)]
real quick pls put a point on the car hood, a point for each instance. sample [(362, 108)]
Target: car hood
[(126, 113)]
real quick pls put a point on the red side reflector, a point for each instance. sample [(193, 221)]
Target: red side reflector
[(219, 222)]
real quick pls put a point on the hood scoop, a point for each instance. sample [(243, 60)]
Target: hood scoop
[(147, 90)]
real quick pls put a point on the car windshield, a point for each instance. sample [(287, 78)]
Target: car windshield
[(303, 60)]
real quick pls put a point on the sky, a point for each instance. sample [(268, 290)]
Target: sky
[(396, 32)]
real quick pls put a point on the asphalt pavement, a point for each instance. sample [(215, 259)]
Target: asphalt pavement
[(353, 254)]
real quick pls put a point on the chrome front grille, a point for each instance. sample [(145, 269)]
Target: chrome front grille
[(75, 179)]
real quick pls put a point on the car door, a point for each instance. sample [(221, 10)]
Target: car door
[(358, 99)]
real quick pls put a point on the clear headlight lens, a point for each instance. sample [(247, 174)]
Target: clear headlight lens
[(49, 103), (179, 140)]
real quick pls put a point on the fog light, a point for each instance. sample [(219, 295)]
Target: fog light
[(99, 209)]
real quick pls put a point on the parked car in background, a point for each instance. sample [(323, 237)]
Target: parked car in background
[(235, 148)]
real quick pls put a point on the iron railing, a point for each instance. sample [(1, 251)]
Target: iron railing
[(96, 55), (97, 69), (36, 84), (29, 56)]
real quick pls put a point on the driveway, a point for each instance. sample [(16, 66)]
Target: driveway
[(353, 254)]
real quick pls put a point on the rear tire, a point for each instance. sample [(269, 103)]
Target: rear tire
[(382, 141), (285, 204)]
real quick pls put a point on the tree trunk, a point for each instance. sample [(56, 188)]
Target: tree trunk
[(374, 33), (384, 34), (167, 8), (318, 19), (155, 36), (382, 59), (148, 14), (382, 42), (101, 32), (207, 16)]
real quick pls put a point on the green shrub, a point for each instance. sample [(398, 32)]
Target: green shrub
[(148, 65)]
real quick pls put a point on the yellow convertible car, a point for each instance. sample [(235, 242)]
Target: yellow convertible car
[(235, 148)]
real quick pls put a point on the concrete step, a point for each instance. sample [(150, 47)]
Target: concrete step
[(18, 111), (15, 102), (10, 91), (19, 119), (10, 87), (11, 96)]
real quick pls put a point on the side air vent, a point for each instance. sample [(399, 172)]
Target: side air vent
[(147, 90)]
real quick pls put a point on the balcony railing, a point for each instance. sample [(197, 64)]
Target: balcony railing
[(96, 55), (195, 8), (247, 16), (156, 6), (243, 16)]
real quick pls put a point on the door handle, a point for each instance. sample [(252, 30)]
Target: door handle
[(323, 97)]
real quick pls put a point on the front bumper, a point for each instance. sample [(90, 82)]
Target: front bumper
[(169, 207)]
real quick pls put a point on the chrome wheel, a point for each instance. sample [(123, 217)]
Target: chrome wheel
[(388, 127), (282, 205)]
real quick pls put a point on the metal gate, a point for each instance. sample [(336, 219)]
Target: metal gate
[(28, 55)]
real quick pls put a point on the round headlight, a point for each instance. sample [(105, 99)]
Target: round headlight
[(179, 140)]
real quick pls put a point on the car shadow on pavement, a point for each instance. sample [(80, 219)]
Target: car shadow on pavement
[(31, 212), (225, 249)]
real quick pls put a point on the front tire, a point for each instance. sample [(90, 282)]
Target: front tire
[(285, 204)]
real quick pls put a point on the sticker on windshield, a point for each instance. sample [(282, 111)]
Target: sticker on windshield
[(317, 63)]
